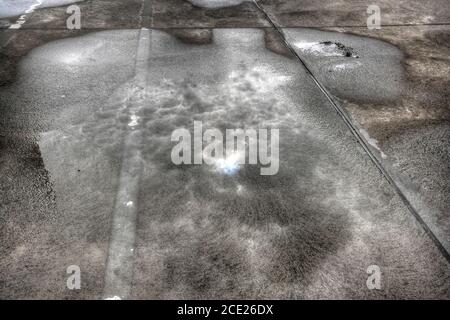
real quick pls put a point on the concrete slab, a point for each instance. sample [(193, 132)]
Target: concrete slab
[(42, 236), (310, 231), (396, 90)]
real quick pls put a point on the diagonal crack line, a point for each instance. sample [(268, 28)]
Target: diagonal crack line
[(360, 139)]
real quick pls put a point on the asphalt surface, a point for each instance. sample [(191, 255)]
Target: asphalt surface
[(86, 176)]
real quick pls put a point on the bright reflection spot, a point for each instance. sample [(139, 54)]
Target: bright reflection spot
[(129, 203), (229, 165), (134, 120), (71, 58), (114, 298), (78, 56)]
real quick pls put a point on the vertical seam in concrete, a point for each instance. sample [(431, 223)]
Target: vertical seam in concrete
[(345, 117), (120, 259), (151, 13)]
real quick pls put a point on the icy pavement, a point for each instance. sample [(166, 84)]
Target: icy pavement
[(199, 233), (87, 177)]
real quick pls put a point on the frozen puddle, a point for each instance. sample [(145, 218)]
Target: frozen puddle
[(136, 122), (200, 231)]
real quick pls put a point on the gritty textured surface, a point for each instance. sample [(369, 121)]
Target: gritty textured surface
[(310, 231), (112, 14), (400, 105), (202, 234), (326, 13)]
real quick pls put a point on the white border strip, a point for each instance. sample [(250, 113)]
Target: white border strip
[(120, 261), (22, 18)]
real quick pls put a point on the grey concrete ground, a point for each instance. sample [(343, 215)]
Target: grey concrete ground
[(353, 13), (86, 119)]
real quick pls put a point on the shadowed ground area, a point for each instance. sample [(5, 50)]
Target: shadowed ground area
[(86, 176)]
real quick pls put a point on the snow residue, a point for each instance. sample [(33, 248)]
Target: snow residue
[(346, 66), (326, 49), (318, 48), (372, 142), (214, 4)]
